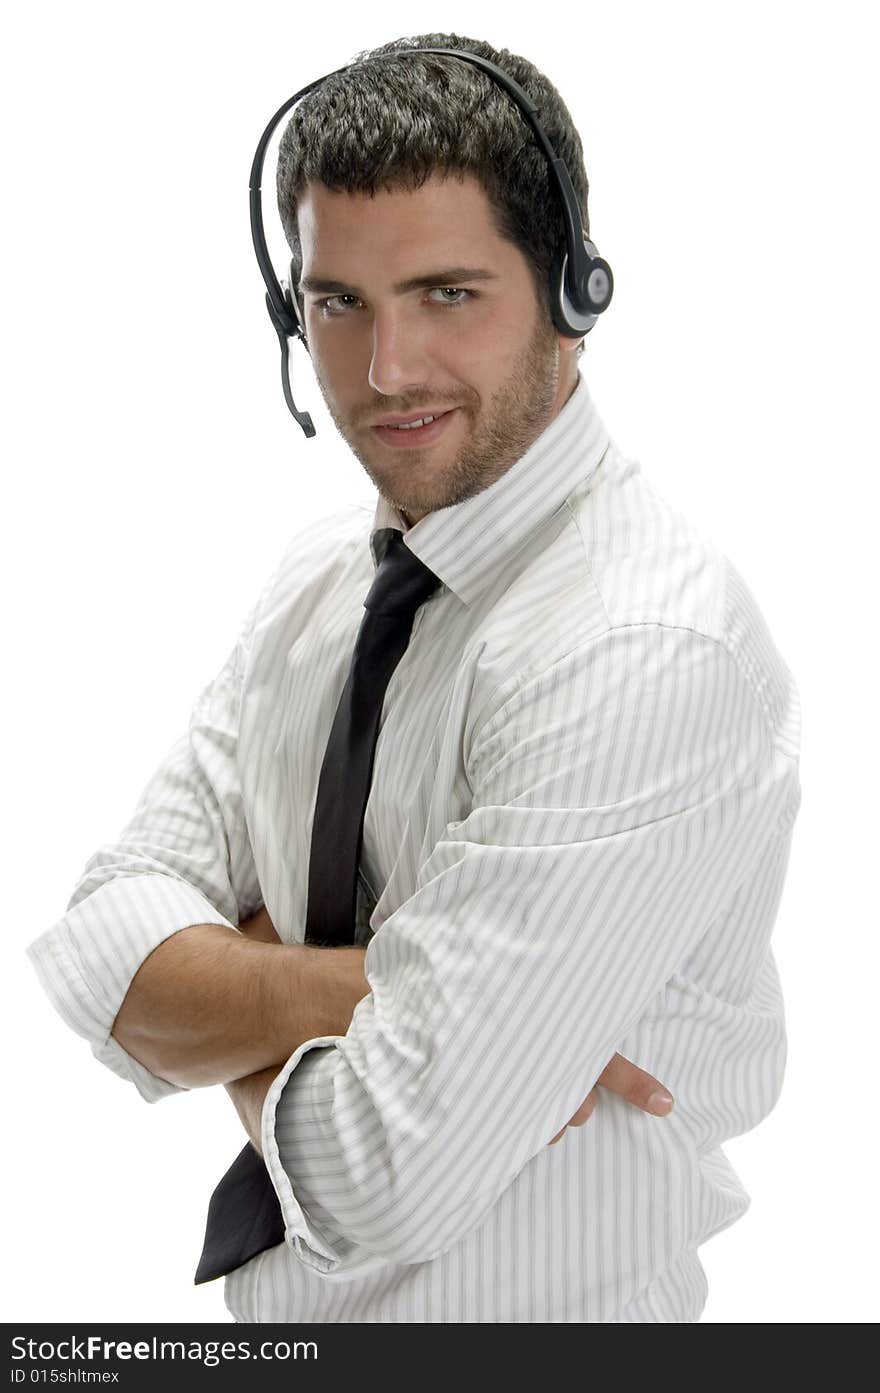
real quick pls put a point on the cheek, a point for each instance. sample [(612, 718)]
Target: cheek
[(487, 364), (493, 343), (337, 364)]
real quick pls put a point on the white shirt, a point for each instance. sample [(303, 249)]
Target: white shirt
[(578, 828)]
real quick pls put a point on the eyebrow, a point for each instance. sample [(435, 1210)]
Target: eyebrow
[(450, 276)]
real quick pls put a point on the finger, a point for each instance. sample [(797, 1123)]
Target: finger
[(580, 1117), (585, 1110), (641, 1089)]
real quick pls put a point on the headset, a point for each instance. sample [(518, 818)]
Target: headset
[(585, 282)]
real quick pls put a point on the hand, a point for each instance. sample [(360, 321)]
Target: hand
[(259, 927), (630, 1082)]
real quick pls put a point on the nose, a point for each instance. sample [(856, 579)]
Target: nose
[(399, 362)]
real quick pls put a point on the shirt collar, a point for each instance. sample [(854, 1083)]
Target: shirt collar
[(464, 543)]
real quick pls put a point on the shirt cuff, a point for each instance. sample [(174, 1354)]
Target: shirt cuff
[(299, 1104), (85, 963)]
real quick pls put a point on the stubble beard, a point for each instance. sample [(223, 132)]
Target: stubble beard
[(498, 436)]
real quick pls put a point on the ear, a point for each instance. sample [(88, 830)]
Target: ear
[(569, 345), (568, 359)]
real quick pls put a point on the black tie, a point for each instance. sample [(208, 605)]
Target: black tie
[(244, 1215)]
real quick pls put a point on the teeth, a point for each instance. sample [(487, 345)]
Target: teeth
[(412, 425)]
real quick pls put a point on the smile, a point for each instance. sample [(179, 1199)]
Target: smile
[(416, 433)]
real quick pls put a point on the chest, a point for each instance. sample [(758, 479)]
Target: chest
[(419, 778)]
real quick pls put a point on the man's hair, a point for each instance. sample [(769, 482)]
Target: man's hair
[(390, 123)]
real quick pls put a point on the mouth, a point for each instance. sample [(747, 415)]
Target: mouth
[(423, 431)]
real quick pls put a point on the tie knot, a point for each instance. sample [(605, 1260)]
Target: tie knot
[(402, 582)]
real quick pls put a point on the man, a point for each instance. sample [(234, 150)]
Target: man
[(581, 804)]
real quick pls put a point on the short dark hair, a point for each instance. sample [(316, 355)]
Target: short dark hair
[(390, 123)]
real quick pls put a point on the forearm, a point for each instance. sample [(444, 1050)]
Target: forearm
[(249, 1095), (210, 1005)]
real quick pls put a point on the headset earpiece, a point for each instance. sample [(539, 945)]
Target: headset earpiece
[(297, 327), (284, 314), (581, 293)]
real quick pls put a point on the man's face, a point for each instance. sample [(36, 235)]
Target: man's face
[(414, 305)]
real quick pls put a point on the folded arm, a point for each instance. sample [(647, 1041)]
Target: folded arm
[(146, 963), (621, 1076), (620, 796), (211, 1005)]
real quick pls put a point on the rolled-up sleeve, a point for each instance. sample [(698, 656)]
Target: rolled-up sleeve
[(183, 858), (621, 795)]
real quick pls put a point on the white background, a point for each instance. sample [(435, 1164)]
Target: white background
[(153, 476)]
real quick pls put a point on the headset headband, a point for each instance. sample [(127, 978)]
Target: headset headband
[(585, 282)]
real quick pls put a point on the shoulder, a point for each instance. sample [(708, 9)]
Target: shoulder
[(316, 555), (623, 566)]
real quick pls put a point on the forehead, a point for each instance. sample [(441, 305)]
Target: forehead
[(449, 215)]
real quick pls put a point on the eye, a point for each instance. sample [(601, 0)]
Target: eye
[(331, 304), (448, 290), (335, 305)]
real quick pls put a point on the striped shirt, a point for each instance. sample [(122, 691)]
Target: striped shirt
[(583, 795)]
